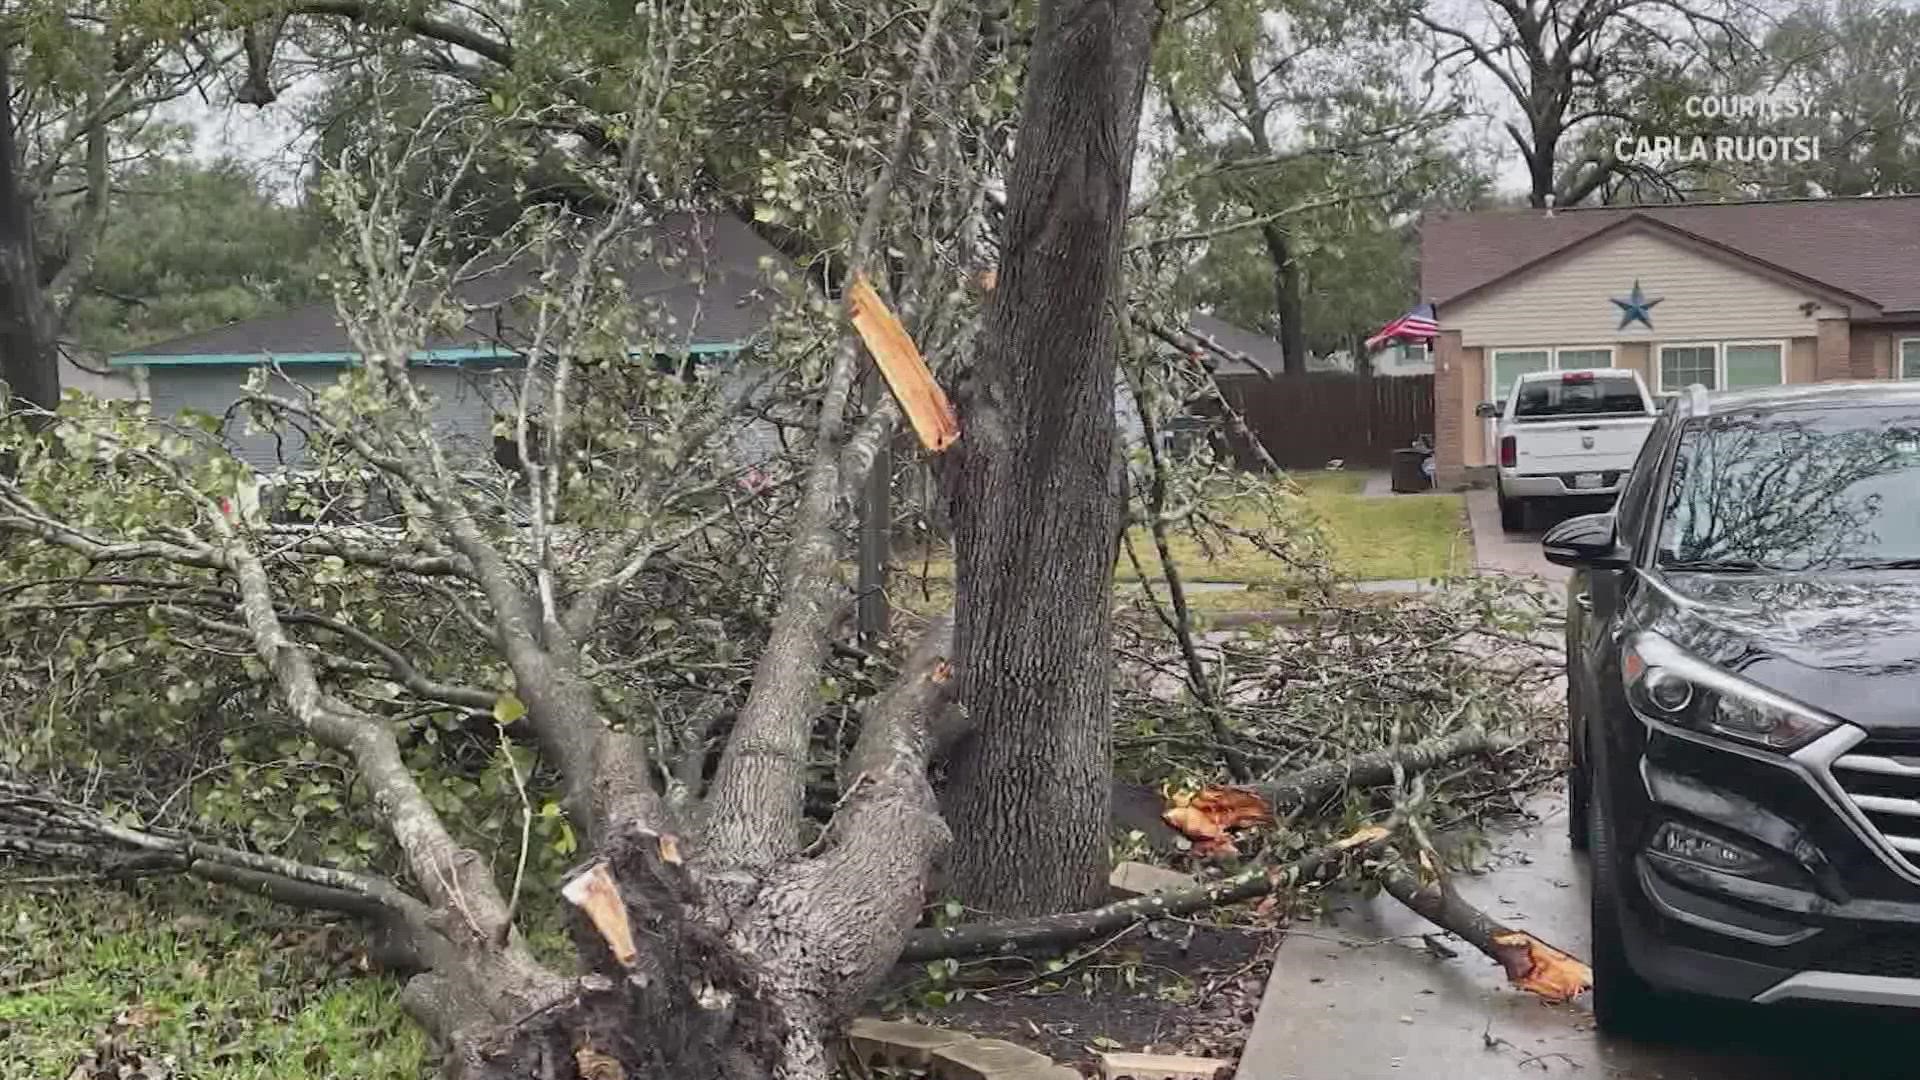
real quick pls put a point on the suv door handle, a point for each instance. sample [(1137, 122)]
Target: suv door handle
[(1585, 600)]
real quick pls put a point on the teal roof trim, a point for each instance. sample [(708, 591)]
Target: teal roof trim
[(429, 356)]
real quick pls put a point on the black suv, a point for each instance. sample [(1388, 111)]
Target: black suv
[(1743, 690)]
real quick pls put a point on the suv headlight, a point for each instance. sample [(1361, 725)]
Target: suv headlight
[(1666, 683)]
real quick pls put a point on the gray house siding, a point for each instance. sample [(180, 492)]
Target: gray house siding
[(462, 411), (464, 398)]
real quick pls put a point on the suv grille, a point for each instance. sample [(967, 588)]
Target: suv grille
[(1883, 781), (1893, 955)]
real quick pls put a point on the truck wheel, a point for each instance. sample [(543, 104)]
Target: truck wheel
[(1513, 514)]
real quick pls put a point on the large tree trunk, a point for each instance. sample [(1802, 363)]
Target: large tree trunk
[(1287, 304), (28, 361), (1036, 488)]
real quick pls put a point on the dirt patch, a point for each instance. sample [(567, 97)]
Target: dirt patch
[(1175, 987)]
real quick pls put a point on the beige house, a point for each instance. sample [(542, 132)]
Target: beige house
[(1726, 295)]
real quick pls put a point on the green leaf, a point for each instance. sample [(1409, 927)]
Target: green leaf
[(507, 708)]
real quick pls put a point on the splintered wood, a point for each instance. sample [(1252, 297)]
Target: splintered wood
[(1539, 968), (912, 384), (595, 892)]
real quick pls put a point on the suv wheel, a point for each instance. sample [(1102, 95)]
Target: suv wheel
[(1623, 1002), (1513, 514)]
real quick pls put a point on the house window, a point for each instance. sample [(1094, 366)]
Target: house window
[(1509, 365), (1683, 365), (1575, 359), (1909, 359), (1753, 363)]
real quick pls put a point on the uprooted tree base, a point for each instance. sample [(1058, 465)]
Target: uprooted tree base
[(633, 1013)]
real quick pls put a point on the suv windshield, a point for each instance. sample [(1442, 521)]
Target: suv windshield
[(1811, 489), (1591, 395)]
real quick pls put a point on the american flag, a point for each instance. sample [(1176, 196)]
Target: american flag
[(1420, 323)]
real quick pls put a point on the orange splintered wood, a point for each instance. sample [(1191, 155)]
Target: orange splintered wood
[(920, 397), (1206, 816), (595, 892), (1539, 968)]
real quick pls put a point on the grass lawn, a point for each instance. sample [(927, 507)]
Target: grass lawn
[(141, 976), (1396, 536), (1371, 538)]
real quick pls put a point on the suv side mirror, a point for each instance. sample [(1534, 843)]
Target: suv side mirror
[(1589, 541), (1487, 410)]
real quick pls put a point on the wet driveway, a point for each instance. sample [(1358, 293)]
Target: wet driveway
[(1364, 999)]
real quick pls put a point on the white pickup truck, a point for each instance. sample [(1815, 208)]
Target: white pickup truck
[(1568, 435)]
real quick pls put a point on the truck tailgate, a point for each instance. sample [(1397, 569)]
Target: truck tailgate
[(1586, 445)]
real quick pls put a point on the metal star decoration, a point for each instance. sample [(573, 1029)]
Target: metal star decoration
[(1636, 308)]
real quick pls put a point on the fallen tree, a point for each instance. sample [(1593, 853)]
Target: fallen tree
[(719, 931), (585, 696)]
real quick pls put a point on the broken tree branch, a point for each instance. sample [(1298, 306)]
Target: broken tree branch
[(1531, 964), (1320, 782), (754, 811), (1052, 931)]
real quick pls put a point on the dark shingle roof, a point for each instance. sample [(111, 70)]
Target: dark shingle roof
[(1868, 247), (1259, 348), (729, 304)]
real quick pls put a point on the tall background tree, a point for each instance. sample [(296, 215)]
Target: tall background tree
[(1299, 139), (189, 246), (82, 86), (1564, 78), (1855, 64)]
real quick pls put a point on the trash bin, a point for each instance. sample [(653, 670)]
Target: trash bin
[(1410, 472)]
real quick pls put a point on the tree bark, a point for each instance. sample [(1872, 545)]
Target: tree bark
[(1036, 493), (1287, 304), (28, 361)]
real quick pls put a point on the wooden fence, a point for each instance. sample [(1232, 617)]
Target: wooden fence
[(1305, 421)]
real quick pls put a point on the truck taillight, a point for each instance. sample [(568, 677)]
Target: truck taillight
[(1577, 377), (1509, 452)]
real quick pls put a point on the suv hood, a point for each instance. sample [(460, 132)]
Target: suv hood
[(1847, 643)]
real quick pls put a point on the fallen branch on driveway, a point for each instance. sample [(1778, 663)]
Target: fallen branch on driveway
[(1531, 964), (1017, 935)]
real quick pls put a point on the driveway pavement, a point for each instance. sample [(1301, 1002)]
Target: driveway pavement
[(1497, 551), (1361, 998)]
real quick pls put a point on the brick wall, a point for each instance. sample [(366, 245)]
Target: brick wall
[(1450, 416), (1833, 351), (1876, 349)]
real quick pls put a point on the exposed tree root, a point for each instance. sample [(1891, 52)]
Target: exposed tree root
[(682, 1003)]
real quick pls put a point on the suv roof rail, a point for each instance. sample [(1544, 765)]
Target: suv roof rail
[(1697, 400)]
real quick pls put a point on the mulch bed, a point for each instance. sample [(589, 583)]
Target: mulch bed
[(1171, 987)]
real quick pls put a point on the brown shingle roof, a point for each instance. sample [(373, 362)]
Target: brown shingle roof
[(1869, 247)]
